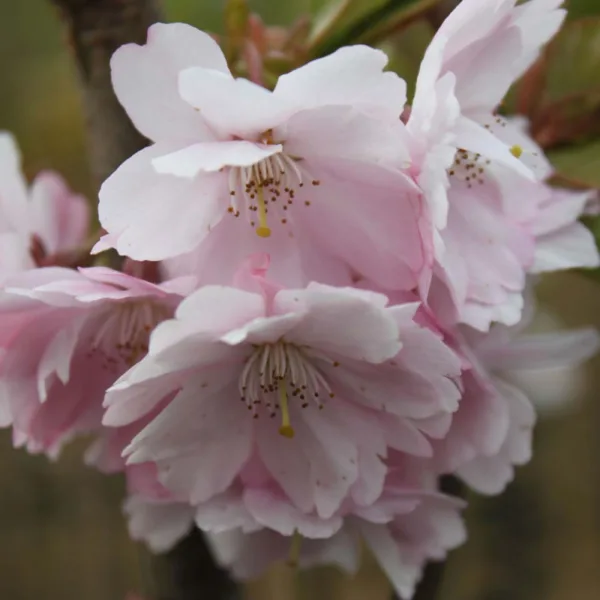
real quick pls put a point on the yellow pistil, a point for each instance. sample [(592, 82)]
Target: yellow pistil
[(516, 151), (286, 430), (263, 230), (294, 555)]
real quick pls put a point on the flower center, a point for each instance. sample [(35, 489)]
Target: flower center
[(123, 331), (267, 189), (469, 167), (275, 374)]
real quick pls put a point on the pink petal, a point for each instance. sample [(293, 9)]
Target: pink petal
[(160, 524), (60, 217), (13, 187), (145, 80), (351, 75), (232, 106), (145, 227), (213, 156), (200, 441), (374, 334), (279, 515), (571, 247)]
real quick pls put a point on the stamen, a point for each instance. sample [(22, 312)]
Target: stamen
[(295, 547), (286, 430), (276, 180), (516, 151), (123, 330), (263, 229), (276, 374), (469, 168)]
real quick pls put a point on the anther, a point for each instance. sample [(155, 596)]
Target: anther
[(516, 151)]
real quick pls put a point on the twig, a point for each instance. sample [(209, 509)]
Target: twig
[(188, 572), (95, 29)]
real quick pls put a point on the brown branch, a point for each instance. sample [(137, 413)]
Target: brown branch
[(95, 29), (438, 13), (188, 572)]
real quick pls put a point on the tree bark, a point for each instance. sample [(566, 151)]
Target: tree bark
[(437, 15), (95, 29), (188, 572)]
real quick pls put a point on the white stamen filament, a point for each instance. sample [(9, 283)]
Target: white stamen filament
[(269, 185), (276, 375), (124, 330)]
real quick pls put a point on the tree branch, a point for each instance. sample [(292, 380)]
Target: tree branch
[(188, 572), (96, 28), (437, 15)]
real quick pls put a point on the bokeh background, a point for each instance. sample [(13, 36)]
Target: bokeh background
[(62, 536)]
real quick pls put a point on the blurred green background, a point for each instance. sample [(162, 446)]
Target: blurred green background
[(61, 532)]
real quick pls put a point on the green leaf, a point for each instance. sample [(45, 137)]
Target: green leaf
[(406, 52), (398, 21), (579, 165), (573, 61), (236, 27), (327, 18), (368, 21), (582, 8), (561, 93)]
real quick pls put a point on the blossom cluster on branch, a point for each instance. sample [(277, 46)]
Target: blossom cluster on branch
[(323, 295)]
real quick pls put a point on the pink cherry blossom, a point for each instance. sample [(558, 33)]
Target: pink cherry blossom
[(408, 525), (253, 525), (486, 45), (492, 238), (319, 382), (477, 53), (154, 515), (158, 523), (484, 234), (286, 172), (562, 242), (67, 335), (47, 213), (491, 431)]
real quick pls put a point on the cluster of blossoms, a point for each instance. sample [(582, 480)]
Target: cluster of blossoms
[(335, 301)]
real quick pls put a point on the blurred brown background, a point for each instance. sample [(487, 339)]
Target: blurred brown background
[(61, 532)]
